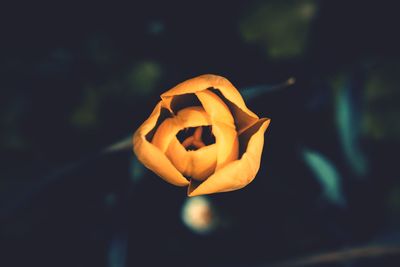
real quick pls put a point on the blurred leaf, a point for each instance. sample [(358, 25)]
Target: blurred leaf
[(349, 126), (279, 26), (381, 119), (85, 116), (137, 170), (117, 253), (144, 77), (155, 27), (327, 176)]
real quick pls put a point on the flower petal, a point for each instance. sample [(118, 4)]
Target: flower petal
[(177, 154), (188, 117), (227, 142), (193, 117), (239, 173), (223, 127), (151, 156), (202, 162), (244, 117), (198, 164), (215, 107), (165, 133)]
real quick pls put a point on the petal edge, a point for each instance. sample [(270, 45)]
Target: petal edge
[(151, 156), (236, 174)]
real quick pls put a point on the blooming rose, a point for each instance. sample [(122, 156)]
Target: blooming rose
[(202, 134)]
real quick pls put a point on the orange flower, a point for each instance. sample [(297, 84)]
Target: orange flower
[(202, 134)]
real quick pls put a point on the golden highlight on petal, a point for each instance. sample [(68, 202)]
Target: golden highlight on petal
[(204, 82), (198, 164), (210, 101), (215, 107), (151, 156), (227, 142), (236, 174)]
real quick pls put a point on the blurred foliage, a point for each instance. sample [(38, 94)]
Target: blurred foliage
[(382, 98), (144, 77), (138, 81), (328, 177), (280, 27), (86, 114), (347, 117)]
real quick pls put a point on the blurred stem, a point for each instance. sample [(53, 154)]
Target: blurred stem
[(345, 255), (251, 93)]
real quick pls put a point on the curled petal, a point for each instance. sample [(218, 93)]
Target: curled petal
[(244, 118), (177, 154), (192, 117), (165, 133), (203, 162), (239, 173), (215, 107), (198, 164), (151, 156), (188, 117), (226, 139), (223, 127)]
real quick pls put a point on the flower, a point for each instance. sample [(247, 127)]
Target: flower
[(201, 134)]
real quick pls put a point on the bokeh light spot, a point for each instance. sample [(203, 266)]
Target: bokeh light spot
[(198, 215)]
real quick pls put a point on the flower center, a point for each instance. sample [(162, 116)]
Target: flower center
[(194, 138)]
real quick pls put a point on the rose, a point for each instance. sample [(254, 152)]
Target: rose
[(202, 134)]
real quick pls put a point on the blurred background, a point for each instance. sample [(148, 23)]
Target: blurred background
[(76, 78)]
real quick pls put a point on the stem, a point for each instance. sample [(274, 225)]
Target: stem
[(343, 255)]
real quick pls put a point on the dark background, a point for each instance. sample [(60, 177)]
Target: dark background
[(76, 78)]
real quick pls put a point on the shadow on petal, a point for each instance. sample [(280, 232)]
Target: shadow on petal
[(180, 102), (243, 119), (245, 136), (164, 114)]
